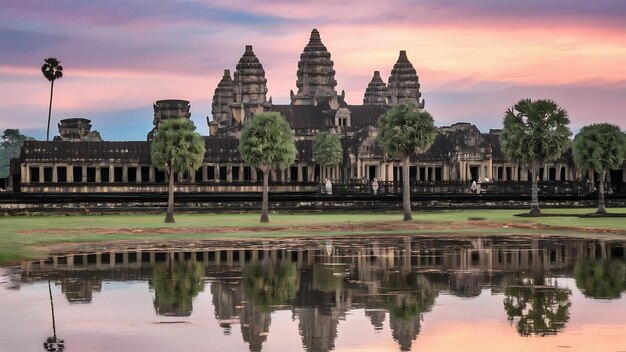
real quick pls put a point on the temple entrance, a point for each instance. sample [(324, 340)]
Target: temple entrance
[(474, 173), (372, 172), (617, 181)]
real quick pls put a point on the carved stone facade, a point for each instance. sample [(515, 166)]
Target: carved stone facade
[(460, 154)]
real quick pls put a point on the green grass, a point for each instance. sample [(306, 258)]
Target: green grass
[(16, 243)]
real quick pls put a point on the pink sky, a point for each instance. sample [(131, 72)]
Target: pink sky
[(474, 59)]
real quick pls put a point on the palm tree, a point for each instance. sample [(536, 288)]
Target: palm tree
[(52, 70), (267, 142), (535, 131), (176, 148), (403, 131), (600, 147), (327, 150)]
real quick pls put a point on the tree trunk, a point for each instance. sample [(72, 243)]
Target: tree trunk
[(601, 208), (534, 198), (266, 185), (169, 217), (49, 110), (406, 190)]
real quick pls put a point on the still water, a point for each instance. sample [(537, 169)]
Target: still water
[(443, 293)]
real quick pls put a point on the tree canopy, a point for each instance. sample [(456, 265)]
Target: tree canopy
[(327, 149), (402, 131), (535, 131), (600, 147), (267, 142), (10, 147), (176, 149)]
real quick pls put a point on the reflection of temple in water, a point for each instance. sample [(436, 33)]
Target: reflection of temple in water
[(394, 280)]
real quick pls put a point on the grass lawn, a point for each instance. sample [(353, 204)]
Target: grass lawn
[(18, 235)]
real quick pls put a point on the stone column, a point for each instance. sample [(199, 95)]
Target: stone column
[(40, 174), (229, 174), (55, 176), (358, 168), (124, 173), (445, 172), (490, 168), (111, 173), (151, 174), (98, 175), (300, 177)]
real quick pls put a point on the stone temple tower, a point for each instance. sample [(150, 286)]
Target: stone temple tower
[(249, 88), (404, 87), (316, 76), (169, 109), (376, 91), (222, 98)]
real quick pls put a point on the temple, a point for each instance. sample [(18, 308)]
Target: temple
[(79, 161)]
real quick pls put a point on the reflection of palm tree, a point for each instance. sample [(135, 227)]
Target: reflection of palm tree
[(600, 278), (537, 308), (175, 286), (52, 343), (406, 298), (270, 284)]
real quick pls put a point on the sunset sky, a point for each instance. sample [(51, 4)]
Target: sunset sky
[(474, 58)]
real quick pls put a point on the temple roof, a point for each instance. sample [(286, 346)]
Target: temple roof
[(365, 115), (68, 152), (305, 116)]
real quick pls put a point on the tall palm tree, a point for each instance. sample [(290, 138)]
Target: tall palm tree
[(52, 70), (535, 131), (600, 147), (405, 130), (176, 148), (267, 142)]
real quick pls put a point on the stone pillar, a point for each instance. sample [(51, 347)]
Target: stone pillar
[(229, 174), (40, 174), (124, 173), (111, 173), (138, 173), (98, 176), (490, 168), (151, 174), (558, 173), (445, 172), (253, 172), (55, 176)]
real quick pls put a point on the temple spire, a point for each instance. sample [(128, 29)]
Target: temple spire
[(316, 76), (376, 91), (404, 87)]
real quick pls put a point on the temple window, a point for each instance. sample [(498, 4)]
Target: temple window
[(47, 174), (91, 174), (118, 174), (132, 174), (104, 174), (34, 173), (145, 173), (61, 174), (235, 173), (223, 173), (77, 173), (210, 172)]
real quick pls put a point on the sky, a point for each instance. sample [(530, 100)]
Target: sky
[(474, 59)]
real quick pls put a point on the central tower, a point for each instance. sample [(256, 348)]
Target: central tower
[(316, 76)]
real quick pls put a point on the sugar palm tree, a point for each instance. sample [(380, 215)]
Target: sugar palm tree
[(267, 142), (176, 148), (327, 150), (403, 131), (600, 147), (52, 70), (535, 131)]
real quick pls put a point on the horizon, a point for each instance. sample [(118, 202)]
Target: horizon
[(120, 57)]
